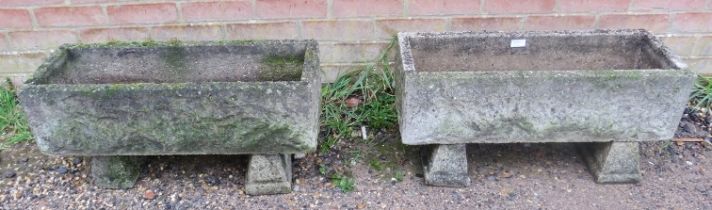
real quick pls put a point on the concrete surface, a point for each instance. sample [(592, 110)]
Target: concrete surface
[(269, 174), (590, 86), (241, 97), (446, 165), (612, 162), (116, 172)]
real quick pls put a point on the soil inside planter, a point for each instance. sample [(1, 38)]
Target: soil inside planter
[(173, 64), (536, 52)]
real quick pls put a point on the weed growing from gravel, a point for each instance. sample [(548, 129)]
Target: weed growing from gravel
[(701, 96), (344, 183), (370, 89), (13, 122), (359, 98)]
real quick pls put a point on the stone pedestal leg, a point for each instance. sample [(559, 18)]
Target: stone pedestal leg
[(612, 162), (446, 165), (299, 155), (116, 172), (269, 174)]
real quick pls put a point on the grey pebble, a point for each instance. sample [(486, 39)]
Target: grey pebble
[(212, 180), (61, 170), (76, 160), (8, 174)]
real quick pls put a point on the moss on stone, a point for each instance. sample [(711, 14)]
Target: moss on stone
[(506, 126), (174, 57), (237, 42), (178, 135), (116, 172), (153, 43), (118, 44), (281, 68)]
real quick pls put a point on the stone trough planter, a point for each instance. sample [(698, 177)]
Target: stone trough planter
[(118, 102), (610, 89)]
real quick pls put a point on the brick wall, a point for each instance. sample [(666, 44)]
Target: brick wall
[(351, 32)]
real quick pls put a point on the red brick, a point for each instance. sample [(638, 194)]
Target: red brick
[(488, 23), (440, 7), (704, 46), (70, 16), (113, 34), (30, 40), (187, 33), (270, 30), (680, 45), (142, 13), (657, 23), (290, 8), (211, 11), (365, 8), (4, 43), (387, 28), (701, 66), (593, 5), (559, 22), (518, 6), (338, 30), (20, 62), (91, 1), (667, 5), (15, 18), (14, 3), (331, 72), (692, 22)]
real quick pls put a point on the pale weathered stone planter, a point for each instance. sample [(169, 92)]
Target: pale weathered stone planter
[(614, 88), (120, 101)]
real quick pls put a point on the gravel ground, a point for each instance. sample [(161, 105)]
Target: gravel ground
[(549, 176), (511, 176)]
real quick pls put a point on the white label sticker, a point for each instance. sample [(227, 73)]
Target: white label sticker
[(518, 43)]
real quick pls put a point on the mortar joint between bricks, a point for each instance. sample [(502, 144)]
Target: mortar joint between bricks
[(179, 12), (630, 6), (33, 19), (300, 29), (329, 13), (253, 9)]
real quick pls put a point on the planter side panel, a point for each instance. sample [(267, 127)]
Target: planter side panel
[(170, 119), (555, 106)]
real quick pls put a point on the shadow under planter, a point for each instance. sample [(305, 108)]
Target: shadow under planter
[(117, 102), (610, 88)]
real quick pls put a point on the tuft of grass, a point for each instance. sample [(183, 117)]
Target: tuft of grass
[(326, 145), (344, 183), (701, 96), (376, 164), (13, 122), (398, 175), (373, 87)]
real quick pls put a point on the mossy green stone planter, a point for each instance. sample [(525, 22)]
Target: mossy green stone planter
[(258, 97), (117, 102)]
